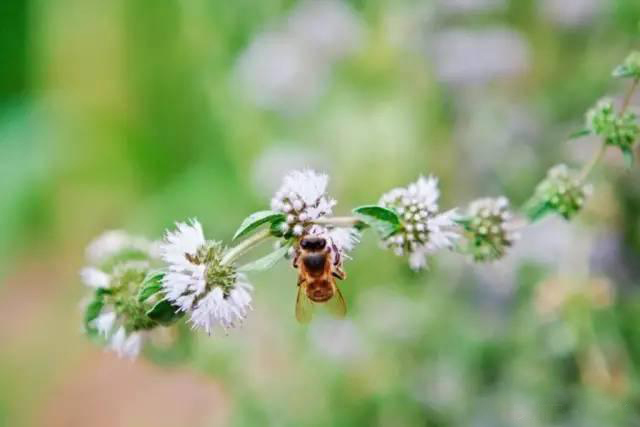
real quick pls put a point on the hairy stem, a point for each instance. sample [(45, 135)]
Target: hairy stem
[(233, 253), (339, 221), (586, 170)]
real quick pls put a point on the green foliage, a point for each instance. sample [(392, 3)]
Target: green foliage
[(164, 313), (385, 221), (257, 219)]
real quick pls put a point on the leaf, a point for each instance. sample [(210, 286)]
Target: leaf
[(164, 313), (627, 155), (151, 285), (579, 133), (267, 261), (91, 313), (538, 210), (385, 221), (255, 220)]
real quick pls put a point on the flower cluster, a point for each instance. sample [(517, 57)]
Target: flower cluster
[(120, 264), (561, 191), (199, 283), (303, 199), (620, 130), (423, 230), (490, 228)]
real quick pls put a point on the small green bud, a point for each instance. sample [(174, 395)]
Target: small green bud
[(561, 192), (630, 67), (490, 231), (620, 130)]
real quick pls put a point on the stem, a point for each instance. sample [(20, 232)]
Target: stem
[(233, 253), (603, 147), (339, 221)]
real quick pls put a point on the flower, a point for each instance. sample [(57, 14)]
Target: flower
[(489, 227), (303, 199), (114, 242), (561, 191), (199, 284), (115, 314), (620, 130), (423, 230)]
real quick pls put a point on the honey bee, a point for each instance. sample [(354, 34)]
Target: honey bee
[(319, 265)]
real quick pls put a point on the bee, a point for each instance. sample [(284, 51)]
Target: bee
[(319, 264)]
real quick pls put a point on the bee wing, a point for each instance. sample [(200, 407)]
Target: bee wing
[(337, 305), (304, 306)]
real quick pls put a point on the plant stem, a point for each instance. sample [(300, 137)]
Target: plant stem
[(235, 252), (603, 146), (339, 221)]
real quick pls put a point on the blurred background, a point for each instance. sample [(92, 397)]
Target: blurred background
[(133, 114)]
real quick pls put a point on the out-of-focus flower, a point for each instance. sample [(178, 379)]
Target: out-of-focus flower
[(114, 242), (490, 228), (199, 284), (115, 313), (571, 13), (476, 57), (471, 6), (561, 191), (302, 198), (328, 28), (423, 230), (620, 130), (287, 69)]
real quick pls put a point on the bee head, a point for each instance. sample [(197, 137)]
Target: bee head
[(313, 243)]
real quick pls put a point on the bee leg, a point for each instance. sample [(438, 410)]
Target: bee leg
[(296, 258), (339, 273)]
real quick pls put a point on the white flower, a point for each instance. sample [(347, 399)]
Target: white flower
[(105, 322), (113, 242), (95, 278), (345, 239), (424, 230), (303, 198), (197, 282), (126, 345)]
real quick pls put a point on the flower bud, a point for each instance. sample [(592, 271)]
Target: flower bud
[(489, 232)]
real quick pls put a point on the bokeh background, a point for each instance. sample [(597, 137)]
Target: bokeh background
[(133, 114)]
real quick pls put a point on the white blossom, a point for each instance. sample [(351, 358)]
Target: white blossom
[(424, 230), (113, 242), (303, 197), (126, 345), (95, 278), (197, 282)]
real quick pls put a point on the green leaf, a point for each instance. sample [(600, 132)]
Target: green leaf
[(385, 221), (538, 210), (579, 133), (91, 313), (267, 261), (151, 285), (255, 220), (164, 313), (627, 155)]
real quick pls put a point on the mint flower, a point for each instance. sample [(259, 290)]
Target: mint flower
[(423, 230), (561, 192), (199, 284), (303, 199), (490, 229), (620, 130)]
